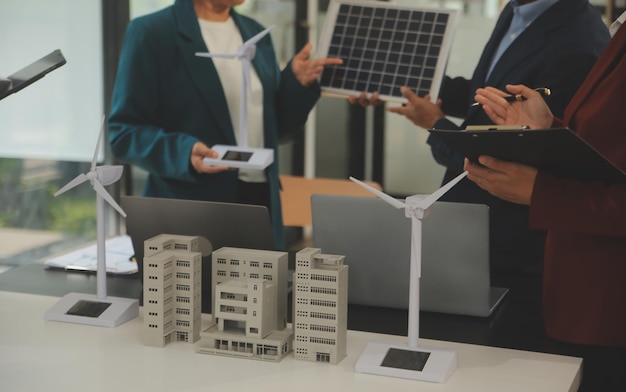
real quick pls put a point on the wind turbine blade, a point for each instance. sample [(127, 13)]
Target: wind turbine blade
[(394, 202), (105, 195), (257, 37), (95, 153), (76, 181), (430, 199), (219, 55)]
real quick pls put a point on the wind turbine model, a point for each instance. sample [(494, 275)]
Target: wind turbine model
[(242, 156), (96, 309), (411, 361)]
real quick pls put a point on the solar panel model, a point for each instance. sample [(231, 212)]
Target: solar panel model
[(384, 47)]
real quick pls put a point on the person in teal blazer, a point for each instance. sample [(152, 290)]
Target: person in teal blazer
[(169, 105)]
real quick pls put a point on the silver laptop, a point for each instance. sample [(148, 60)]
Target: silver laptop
[(217, 225), (376, 240)]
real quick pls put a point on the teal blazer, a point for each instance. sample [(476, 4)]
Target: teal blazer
[(166, 99)]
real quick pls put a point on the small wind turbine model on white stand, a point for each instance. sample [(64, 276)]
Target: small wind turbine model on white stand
[(411, 361), (98, 309), (242, 156)]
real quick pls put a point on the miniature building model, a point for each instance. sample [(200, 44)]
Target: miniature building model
[(172, 269), (320, 298), (255, 265), (249, 305)]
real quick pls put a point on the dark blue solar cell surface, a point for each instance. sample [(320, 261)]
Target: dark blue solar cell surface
[(384, 49)]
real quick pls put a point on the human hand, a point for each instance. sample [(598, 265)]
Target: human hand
[(420, 111), (510, 181), (364, 101), (199, 151), (532, 112), (308, 70)]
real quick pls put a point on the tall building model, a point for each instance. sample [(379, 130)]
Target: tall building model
[(172, 269), (250, 301), (320, 299), (250, 293)]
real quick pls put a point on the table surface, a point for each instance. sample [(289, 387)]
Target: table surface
[(55, 356), (517, 323), (296, 195)]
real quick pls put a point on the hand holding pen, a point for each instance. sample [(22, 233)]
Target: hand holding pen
[(544, 91), (518, 105)]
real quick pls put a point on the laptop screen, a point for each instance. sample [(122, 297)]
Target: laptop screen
[(217, 225), (376, 240)]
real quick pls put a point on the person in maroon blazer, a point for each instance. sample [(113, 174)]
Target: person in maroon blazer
[(585, 254)]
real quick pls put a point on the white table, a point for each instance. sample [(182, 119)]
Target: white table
[(38, 355)]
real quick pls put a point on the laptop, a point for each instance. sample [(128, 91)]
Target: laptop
[(217, 224), (376, 240), (31, 73)]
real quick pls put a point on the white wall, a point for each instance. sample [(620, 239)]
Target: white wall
[(57, 117)]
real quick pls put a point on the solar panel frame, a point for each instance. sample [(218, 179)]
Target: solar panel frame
[(385, 46)]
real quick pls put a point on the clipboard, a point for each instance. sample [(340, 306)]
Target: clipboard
[(557, 150), (31, 73)]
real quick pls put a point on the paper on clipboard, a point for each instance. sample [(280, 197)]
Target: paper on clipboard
[(119, 251)]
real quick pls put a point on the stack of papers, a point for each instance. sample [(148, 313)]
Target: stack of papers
[(119, 257)]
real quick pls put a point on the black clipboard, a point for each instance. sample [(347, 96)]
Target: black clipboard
[(557, 150), (33, 72)]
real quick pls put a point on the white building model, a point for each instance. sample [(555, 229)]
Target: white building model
[(250, 289), (320, 298), (250, 296), (172, 267)]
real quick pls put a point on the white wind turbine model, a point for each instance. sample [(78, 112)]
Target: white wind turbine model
[(242, 156), (98, 309), (411, 361)]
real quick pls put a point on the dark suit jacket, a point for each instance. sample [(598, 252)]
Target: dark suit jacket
[(585, 263), (556, 51), (166, 99)]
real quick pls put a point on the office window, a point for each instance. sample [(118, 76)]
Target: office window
[(49, 129)]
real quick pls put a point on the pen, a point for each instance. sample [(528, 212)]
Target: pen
[(519, 97)]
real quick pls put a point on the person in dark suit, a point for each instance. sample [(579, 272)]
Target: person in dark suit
[(584, 295), (170, 106), (539, 43)]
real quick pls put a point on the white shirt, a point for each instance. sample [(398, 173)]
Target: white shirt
[(224, 37)]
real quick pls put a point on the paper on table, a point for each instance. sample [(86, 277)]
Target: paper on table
[(119, 251)]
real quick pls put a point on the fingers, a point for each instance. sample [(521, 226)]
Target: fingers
[(327, 61), (408, 94), (518, 89), (200, 151), (493, 103), (403, 110), (510, 181), (363, 100), (308, 70), (305, 52)]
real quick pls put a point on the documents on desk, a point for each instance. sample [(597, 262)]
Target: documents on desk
[(119, 253)]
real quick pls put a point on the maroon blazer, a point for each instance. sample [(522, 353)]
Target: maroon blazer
[(585, 257)]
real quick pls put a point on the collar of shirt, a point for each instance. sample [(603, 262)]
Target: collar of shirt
[(531, 11), (617, 24), (523, 15)]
